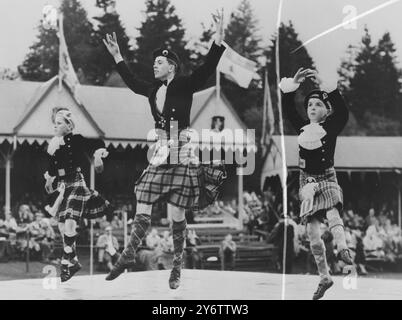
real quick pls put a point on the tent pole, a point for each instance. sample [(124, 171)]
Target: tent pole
[(8, 186), (240, 196), (399, 206), (91, 256)]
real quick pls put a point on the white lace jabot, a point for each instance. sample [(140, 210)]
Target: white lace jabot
[(311, 136), (55, 144)]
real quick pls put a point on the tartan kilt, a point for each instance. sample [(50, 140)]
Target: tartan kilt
[(79, 201), (189, 186), (328, 195)]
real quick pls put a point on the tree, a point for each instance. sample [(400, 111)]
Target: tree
[(241, 33), (290, 62), (41, 62), (371, 84), (109, 22), (8, 74), (162, 28)]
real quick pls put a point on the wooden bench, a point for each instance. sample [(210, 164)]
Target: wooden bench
[(217, 239), (248, 257), (256, 258), (209, 255)]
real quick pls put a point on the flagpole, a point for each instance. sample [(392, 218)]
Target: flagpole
[(264, 113), (218, 91), (60, 55)]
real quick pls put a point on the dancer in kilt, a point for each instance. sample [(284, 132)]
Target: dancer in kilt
[(174, 173), (66, 185), (320, 195)]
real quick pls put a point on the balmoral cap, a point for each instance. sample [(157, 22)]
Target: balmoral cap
[(163, 52)]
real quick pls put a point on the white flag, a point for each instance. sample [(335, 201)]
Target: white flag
[(66, 69), (236, 67)]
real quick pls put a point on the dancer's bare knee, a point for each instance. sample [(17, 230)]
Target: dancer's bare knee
[(334, 218), (178, 214), (70, 227), (143, 208), (313, 231)]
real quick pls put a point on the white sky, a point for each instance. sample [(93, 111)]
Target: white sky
[(310, 17)]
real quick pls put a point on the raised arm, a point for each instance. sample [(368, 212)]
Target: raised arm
[(200, 75), (136, 85), (288, 87), (340, 116)]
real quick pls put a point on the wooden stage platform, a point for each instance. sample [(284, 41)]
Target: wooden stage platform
[(197, 285)]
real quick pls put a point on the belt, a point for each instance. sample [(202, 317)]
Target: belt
[(63, 173)]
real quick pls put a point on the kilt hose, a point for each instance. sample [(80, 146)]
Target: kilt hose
[(328, 195), (187, 184), (79, 201)]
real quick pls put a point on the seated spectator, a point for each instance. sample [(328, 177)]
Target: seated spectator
[(370, 218), (277, 238), (108, 247), (373, 242), (116, 223), (164, 252), (193, 259), (328, 238), (252, 223), (5, 247), (228, 252), (24, 216), (153, 239), (47, 244), (391, 238), (360, 258), (42, 236)]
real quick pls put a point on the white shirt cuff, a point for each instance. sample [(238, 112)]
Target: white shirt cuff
[(118, 59), (288, 85)]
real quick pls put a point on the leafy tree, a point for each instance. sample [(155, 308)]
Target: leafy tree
[(41, 62), (162, 28), (109, 22), (370, 81), (290, 62), (8, 74)]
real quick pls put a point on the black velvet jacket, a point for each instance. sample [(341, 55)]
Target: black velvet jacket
[(179, 95), (317, 160), (72, 154)]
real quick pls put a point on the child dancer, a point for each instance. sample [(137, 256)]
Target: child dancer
[(320, 195), (74, 200)]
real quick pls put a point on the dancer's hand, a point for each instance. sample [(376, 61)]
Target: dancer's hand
[(302, 74), (98, 163), (49, 182), (112, 45), (218, 19), (62, 189), (315, 78), (101, 153)]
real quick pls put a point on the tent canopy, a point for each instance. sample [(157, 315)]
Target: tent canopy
[(117, 115), (351, 154)]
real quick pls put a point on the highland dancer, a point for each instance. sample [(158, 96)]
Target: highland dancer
[(184, 184), (320, 195), (71, 199)]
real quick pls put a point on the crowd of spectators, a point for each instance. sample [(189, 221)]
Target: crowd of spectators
[(370, 236), (27, 229), (374, 238)]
